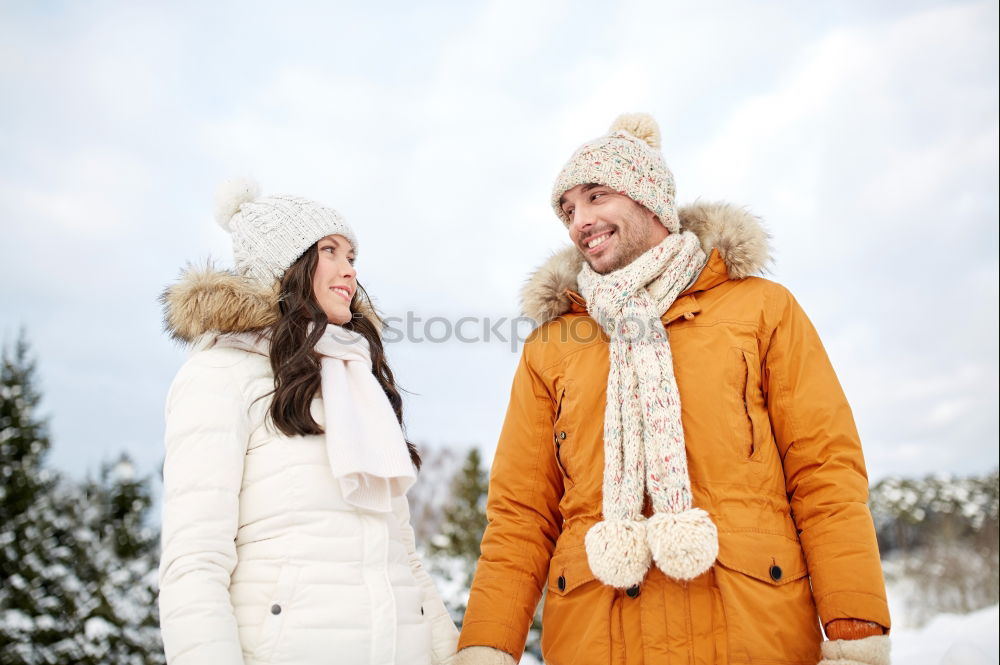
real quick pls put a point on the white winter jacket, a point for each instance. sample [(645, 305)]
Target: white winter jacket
[(263, 561)]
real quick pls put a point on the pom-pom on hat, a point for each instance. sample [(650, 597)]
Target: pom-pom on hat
[(269, 233), (629, 160)]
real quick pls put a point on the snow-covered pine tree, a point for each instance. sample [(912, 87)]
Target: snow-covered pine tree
[(938, 536), (455, 550), (24, 439), (24, 490), (465, 514), (77, 567), (121, 552)]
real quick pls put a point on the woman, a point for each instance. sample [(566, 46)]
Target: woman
[(286, 535)]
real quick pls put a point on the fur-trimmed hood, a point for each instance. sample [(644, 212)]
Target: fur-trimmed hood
[(738, 235), (206, 299)]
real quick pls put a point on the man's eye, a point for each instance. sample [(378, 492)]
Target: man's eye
[(569, 212), (596, 195)]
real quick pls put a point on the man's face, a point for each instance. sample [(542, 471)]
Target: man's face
[(610, 229)]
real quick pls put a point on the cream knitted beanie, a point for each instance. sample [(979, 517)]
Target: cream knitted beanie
[(270, 233), (629, 160)]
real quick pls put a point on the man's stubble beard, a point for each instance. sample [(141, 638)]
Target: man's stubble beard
[(631, 245)]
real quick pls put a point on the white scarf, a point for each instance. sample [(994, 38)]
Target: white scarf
[(364, 443), (644, 448)]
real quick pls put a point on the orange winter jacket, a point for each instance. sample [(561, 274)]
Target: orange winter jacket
[(773, 456)]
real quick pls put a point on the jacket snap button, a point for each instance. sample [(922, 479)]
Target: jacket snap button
[(276, 609), (561, 583), (632, 591), (775, 573), (688, 316), (562, 435)]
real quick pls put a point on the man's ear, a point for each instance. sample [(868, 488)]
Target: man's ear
[(656, 224), (649, 213), (656, 218)]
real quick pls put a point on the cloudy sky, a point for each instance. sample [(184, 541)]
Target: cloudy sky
[(864, 133)]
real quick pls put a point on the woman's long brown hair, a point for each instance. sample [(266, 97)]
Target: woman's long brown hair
[(296, 364)]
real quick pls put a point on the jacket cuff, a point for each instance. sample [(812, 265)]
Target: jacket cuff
[(852, 629), (492, 634), (854, 605)]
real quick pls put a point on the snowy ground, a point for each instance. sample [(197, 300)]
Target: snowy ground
[(947, 639), (950, 639)]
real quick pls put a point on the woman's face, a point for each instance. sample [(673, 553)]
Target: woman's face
[(335, 279)]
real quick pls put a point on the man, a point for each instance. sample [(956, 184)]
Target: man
[(679, 466)]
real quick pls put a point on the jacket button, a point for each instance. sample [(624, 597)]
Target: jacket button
[(561, 583), (688, 316), (562, 435), (632, 591), (775, 573), (276, 609)]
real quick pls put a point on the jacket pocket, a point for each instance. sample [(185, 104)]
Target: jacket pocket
[(768, 557), (576, 611), (767, 599), (562, 434), (276, 612), (750, 421), (568, 570)]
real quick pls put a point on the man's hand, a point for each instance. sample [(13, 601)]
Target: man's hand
[(866, 651)]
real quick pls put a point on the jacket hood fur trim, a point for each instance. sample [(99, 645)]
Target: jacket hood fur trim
[(738, 235), (208, 300)]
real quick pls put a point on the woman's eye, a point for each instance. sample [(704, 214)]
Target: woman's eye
[(596, 195)]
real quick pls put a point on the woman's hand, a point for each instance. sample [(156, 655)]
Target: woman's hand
[(483, 656)]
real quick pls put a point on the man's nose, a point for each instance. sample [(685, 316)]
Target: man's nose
[(583, 218)]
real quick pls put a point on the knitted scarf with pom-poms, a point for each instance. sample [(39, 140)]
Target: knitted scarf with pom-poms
[(643, 435)]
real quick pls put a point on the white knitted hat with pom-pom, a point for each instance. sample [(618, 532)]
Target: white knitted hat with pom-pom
[(627, 159), (269, 233)]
